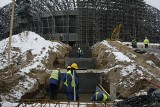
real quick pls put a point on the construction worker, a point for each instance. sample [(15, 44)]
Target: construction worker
[(54, 82), (99, 96), (65, 82), (74, 67), (71, 83), (146, 42), (60, 38), (134, 43), (79, 52)]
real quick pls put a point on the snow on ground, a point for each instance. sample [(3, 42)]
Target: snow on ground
[(24, 42), (104, 42), (141, 92), (140, 43), (121, 57), (131, 68), (128, 69), (32, 66), (109, 69), (150, 62), (19, 90), (29, 41)]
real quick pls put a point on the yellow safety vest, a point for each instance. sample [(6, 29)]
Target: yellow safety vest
[(104, 96), (72, 82), (54, 74), (146, 41)]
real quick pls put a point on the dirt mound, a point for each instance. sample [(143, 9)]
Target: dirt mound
[(31, 58), (124, 67)]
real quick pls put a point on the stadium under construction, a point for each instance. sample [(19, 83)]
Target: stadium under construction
[(83, 22)]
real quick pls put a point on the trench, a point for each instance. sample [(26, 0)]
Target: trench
[(88, 81), (88, 75)]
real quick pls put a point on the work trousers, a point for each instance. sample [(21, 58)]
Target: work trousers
[(70, 95), (146, 45), (53, 91)]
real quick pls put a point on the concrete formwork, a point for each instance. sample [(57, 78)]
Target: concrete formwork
[(88, 82), (83, 63)]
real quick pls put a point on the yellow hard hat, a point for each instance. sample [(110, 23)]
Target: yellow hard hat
[(68, 67), (74, 65)]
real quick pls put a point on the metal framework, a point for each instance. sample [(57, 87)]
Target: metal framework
[(56, 103), (83, 22)]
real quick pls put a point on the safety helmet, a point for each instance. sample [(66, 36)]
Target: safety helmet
[(79, 48), (74, 65), (68, 67)]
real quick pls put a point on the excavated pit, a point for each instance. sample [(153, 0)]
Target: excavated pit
[(87, 86)]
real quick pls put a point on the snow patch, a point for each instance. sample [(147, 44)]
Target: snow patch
[(108, 70), (104, 42), (121, 57), (141, 92), (128, 69), (26, 41), (18, 91), (33, 65), (150, 62)]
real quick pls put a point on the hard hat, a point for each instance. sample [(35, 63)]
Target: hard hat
[(74, 65), (79, 48), (68, 67)]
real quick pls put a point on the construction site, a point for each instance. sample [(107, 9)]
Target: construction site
[(39, 36)]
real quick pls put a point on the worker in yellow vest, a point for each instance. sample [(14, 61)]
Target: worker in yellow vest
[(74, 67), (134, 43), (146, 42), (80, 53), (54, 82), (71, 83), (99, 96)]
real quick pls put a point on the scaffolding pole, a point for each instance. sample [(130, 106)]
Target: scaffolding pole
[(10, 34)]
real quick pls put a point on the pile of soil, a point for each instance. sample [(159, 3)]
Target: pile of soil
[(131, 83), (11, 76)]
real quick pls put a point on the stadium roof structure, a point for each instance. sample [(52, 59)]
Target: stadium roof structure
[(83, 21)]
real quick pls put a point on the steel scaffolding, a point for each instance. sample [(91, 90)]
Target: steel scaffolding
[(83, 22)]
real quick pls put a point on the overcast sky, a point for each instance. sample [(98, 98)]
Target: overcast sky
[(155, 3)]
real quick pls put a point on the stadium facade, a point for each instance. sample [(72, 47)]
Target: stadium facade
[(83, 22)]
